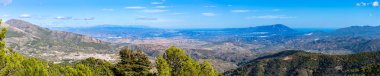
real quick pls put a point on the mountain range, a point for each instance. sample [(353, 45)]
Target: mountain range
[(235, 46), (225, 48)]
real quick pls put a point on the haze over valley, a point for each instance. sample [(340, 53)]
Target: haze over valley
[(189, 38)]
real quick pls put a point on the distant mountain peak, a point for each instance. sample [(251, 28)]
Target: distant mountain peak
[(27, 27), (16, 20), (279, 25), (21, 24), (274, 28)]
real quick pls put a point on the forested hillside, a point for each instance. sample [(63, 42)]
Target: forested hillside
[(299, 63)]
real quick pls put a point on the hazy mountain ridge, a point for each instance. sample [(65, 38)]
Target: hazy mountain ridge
[(358, 31), (276, 28)]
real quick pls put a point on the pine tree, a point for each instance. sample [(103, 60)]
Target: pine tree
[(133, 63), (176, 59), (2, 51), (208, 70), (188, 68), (2, 36), (162, 67), (197, 67), (182, 65)]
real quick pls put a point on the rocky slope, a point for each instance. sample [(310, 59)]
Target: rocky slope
[(32, 40)]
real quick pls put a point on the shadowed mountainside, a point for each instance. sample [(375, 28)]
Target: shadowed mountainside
[(300, 63)]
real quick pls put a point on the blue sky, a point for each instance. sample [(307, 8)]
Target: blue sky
[(194, 13)]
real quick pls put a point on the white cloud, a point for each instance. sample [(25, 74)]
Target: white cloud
[(271, 17), (156, 3), (362, 4), (375, 4), (135, 7), (85, 18), (25, 16), (161, 6), (107, 9), (5, 2), (209, 6), (154, 11), (208, 14), (240, 11), (62, 18)]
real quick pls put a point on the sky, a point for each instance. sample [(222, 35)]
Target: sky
[(194, 13)]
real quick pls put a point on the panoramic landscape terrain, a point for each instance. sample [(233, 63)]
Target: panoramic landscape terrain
[(189, 38)]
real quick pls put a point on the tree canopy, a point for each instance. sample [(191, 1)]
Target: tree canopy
[(180, 64), (133, 63)]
